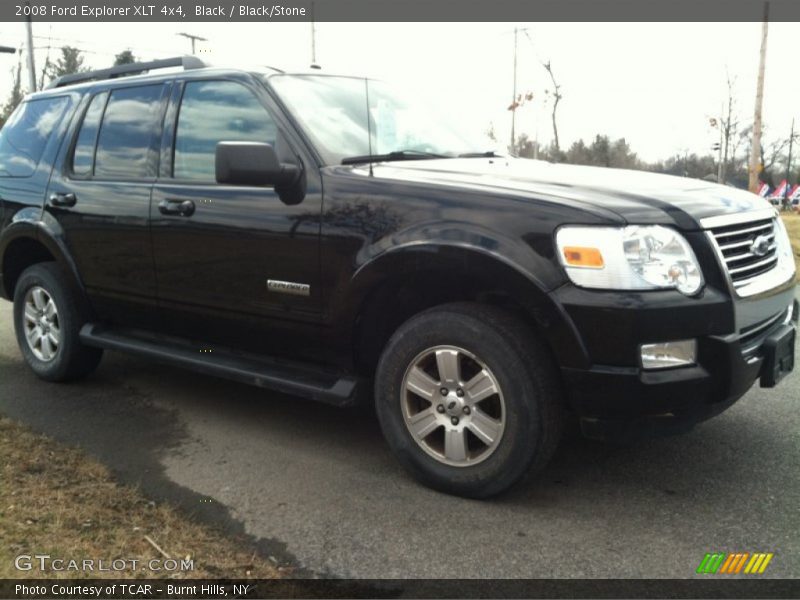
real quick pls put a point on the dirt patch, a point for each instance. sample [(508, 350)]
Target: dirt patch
[(57, 501)]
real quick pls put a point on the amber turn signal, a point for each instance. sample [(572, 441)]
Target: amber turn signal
[(577, 256)]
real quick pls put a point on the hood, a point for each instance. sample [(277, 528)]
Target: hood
[(635, 196)]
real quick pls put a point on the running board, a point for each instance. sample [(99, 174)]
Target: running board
[(290, 378)]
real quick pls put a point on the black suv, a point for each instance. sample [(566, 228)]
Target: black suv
[(323, 236)]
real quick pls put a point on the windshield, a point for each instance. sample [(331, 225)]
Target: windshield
[(333, 112)]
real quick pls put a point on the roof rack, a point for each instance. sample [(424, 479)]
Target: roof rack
[(187, 62)]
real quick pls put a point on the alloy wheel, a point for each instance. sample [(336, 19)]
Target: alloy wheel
[(453, 406), (42, 325)]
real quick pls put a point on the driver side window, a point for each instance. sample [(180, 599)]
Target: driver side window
[(212, 112)]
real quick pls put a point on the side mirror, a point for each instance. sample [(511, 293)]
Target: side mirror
[(253, 163)]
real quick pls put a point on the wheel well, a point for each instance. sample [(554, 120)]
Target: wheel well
[(21, 254), (398, 299)]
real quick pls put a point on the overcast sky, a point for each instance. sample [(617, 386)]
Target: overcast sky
[(655, 84)]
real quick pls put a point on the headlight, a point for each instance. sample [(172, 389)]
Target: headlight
[(629, 258)]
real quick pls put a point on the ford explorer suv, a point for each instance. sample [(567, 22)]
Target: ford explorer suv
[(325, 237)]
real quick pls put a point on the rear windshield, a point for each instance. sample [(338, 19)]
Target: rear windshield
[(25, 134)]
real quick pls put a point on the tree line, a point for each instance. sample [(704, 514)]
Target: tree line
[(603, 151)]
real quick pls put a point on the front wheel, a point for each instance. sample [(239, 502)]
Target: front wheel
[(468, 399)]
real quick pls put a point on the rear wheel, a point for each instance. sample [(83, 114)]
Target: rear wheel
[(468, 400), (47, 320)]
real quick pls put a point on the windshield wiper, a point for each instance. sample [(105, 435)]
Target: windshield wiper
[(489, 154), (390, 156)]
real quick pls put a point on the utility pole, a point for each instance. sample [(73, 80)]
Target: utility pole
[(31, 64), (755, 147), (788, 169), (514, 98), (193, 38)]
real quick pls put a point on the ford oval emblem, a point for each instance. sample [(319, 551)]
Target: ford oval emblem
[(760, 245)]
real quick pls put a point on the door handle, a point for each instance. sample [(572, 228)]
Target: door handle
[(182, 208), (63, 199)]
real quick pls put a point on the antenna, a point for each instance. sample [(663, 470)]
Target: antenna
[(313, 37), (369, 127)]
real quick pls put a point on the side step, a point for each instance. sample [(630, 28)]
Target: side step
[(290, 378)]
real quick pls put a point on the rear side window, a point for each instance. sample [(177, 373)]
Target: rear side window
[(25, 135), (127, 144), (83, 157), (212, 112)]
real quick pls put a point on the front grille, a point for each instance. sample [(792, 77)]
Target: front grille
[(735, 244)]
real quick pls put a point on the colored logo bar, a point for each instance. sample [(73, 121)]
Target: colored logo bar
[(720, 563)]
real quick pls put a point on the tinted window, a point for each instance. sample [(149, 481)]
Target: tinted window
[(126, 146), (83, 157), (25, 134), (211, 112)]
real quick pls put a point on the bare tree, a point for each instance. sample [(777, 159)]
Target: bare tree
[(518, 102), (46, 68), (490, 133), (771, 156), (729, 123), (556, 95), (772, 153), (16, 94), (47, 64)]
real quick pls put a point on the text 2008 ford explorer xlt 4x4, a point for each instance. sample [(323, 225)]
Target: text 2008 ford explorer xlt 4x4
[(327, 239)]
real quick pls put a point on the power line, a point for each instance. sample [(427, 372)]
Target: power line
[(105, 49), (85, 51)]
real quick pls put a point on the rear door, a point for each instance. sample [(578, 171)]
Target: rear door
[(217, 246), (101, 199)]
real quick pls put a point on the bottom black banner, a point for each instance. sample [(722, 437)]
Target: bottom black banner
[(399, 588)]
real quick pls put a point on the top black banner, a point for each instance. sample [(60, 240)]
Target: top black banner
[(397, 10)]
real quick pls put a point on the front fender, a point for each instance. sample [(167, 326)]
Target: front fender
[(490, 268)]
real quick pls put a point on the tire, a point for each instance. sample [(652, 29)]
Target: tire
[(38, 288), (526, 416)]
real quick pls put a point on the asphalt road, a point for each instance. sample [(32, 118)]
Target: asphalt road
[(317, 487)]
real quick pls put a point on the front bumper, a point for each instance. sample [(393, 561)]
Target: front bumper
[(615, 400)]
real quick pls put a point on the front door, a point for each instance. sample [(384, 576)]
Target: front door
[(219, 249)]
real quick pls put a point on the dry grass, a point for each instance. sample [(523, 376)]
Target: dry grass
[(792, 222), (55, 500)]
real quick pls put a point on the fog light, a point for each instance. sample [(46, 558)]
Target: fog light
[(669, 354)]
